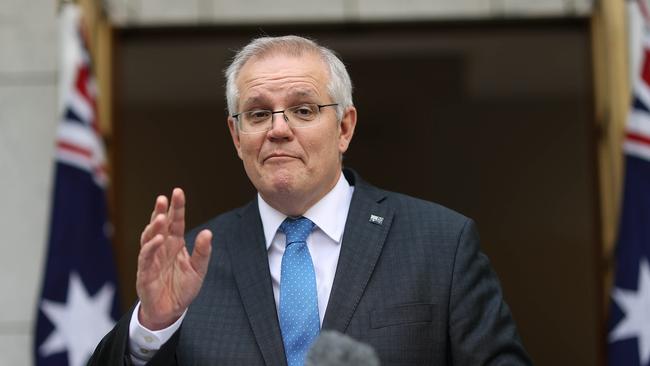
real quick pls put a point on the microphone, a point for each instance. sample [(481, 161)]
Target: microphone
[(335, 349)]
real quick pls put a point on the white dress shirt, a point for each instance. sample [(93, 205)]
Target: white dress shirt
[(329, 216)]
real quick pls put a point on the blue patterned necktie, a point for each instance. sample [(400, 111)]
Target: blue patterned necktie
[(299, 320)]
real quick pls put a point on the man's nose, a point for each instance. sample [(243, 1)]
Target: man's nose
[(281, 113), (279, 127)]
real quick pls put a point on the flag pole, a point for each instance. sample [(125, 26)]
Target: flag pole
[(612, 100)]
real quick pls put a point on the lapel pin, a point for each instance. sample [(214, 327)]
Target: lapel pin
[(376, 219)]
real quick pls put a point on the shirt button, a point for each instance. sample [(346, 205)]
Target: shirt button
[(148, 339), (144, 351)]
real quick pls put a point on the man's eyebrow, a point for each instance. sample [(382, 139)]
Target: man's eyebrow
[(255, 100), (260, 100)]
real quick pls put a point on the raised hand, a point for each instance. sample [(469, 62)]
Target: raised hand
[(169, 278)]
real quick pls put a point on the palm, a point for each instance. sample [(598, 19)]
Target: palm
[(168, 277)]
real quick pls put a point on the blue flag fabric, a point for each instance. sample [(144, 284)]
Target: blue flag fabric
[(629, 334), (78, 303), (629, 323)]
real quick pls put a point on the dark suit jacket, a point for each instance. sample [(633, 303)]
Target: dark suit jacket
[(415, 287)]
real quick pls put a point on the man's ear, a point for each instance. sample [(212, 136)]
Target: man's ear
[(346, 128), (234, 133)]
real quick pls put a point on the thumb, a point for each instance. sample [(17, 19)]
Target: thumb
[(201, 253)]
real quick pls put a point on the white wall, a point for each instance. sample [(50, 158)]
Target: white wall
[(160, 12), (28, 102)]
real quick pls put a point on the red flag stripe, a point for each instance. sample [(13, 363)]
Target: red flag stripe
[(82, 81), (81, 85), (87, 153), (645, 72), (635, 137)]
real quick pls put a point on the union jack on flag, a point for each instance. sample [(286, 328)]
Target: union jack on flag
[(78, 302), (629, 323)]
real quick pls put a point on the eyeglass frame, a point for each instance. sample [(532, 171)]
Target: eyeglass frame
[(286, 119)]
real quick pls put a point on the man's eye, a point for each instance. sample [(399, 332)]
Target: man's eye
[(305, 111), (258, 115)]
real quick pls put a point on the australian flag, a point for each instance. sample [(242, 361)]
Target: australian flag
[(78, 303), (629, 327)]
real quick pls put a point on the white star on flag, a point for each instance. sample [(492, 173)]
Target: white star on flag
[(79, 323), (636, 307)]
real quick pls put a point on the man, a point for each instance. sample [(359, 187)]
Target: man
[(318, 249)]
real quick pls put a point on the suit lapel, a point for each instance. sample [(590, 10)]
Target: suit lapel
[(368, 223), (251, 271)]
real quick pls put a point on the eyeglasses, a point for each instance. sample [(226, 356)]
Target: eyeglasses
[(261, 120)]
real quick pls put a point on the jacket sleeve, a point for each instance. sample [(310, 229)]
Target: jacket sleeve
[(113, 348), (482, 330)]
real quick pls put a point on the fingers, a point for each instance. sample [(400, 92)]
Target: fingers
[(148, 251), (176, 214), (166, 221), (155, 226), (201, 253), (159, 207)]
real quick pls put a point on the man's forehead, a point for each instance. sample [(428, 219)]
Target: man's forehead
[(298, 91), (293, 76)]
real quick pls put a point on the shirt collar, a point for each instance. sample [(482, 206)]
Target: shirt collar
[(329, 214)]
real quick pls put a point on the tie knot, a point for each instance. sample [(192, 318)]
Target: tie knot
[(296, 230)]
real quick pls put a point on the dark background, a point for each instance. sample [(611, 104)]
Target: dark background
[(492, 119)]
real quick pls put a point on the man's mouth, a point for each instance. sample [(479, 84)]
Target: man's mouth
[(278, 157)]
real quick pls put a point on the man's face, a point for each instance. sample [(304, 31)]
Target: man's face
[(291, 168)]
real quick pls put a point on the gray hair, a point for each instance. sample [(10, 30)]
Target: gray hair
[(339, 86)]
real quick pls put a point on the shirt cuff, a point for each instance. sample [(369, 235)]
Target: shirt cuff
[(144, 343)]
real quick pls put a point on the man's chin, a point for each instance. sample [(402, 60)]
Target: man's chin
[(284, 186), (281, 181)]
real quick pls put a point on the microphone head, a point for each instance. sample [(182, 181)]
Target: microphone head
[(335, 349)]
